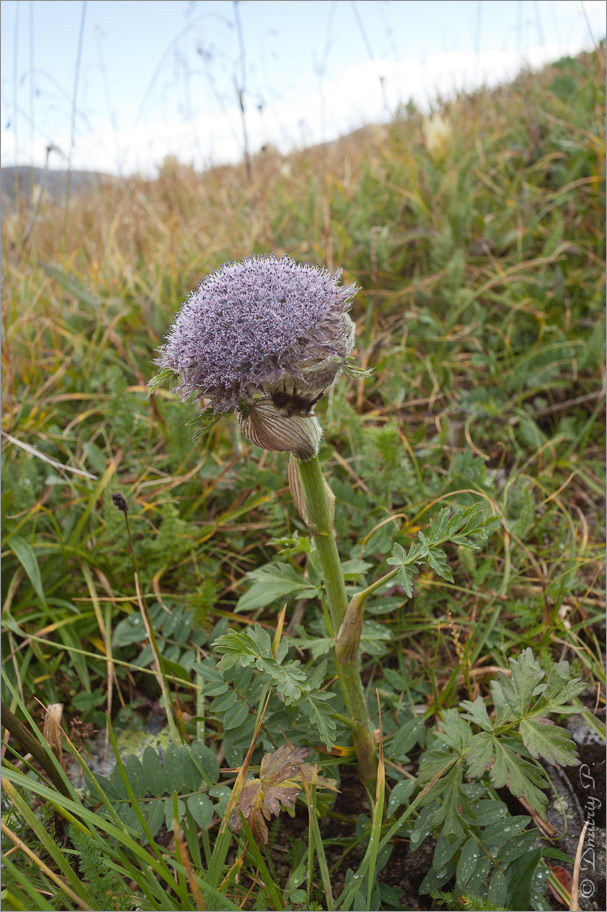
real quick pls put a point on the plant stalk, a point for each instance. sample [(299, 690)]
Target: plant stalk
[(321, 526)]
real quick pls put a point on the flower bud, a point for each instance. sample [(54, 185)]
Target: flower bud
[(264, 425), (348, 638)]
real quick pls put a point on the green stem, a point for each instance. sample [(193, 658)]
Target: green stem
[(321, 526)]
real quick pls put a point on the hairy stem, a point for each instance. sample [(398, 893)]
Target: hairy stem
[(320, 523)]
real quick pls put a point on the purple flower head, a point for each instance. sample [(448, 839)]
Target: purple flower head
[(251, 324)]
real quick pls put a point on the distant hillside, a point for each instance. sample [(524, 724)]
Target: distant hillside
[(22, 178)]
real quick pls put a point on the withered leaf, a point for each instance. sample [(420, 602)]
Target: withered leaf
[(277, 787)]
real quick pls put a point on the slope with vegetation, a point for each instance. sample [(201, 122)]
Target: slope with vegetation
[(479, 246)]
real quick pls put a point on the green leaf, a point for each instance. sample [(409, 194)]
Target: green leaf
[(153, 772), (518, 846), (134, 772), (289, 679), (498, 889), (400, 794), (489, 811), (440, 524), (129, 630), (235, 716), (522, 777), (155, 816), (207, 760), (224, 701), (274, 581), (400, 559), (517, 691), (204, 422), (355, 568), (254, 647), (168, 812), (24, 553), (477, 712), (243, 647), (200, 807), (173, 768), (398, 746), (405, 578), (478, 881), (422, 827), (480, 754), (320, 715), (521, 877), (438, 561), (552, 743), (503, 830), (162, 377), (468, 862), (435, 879), (559, 691)]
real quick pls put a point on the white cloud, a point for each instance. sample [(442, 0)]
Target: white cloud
[(355, 98)]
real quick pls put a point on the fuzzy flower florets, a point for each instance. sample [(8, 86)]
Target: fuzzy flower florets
[(253, 323)]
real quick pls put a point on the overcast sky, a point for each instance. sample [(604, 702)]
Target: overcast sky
[(157, 77)]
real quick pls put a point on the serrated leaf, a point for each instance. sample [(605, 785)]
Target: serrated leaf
[(477, 712), (253, 646), (318, 676), (550, 742), (288, 679), (521, 776), (448, 814), (439, 524), (316, 645), (275, 788), (320, 715), (438, 561), (518, 690), (480, 754), (354, 568), (559, 691)]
